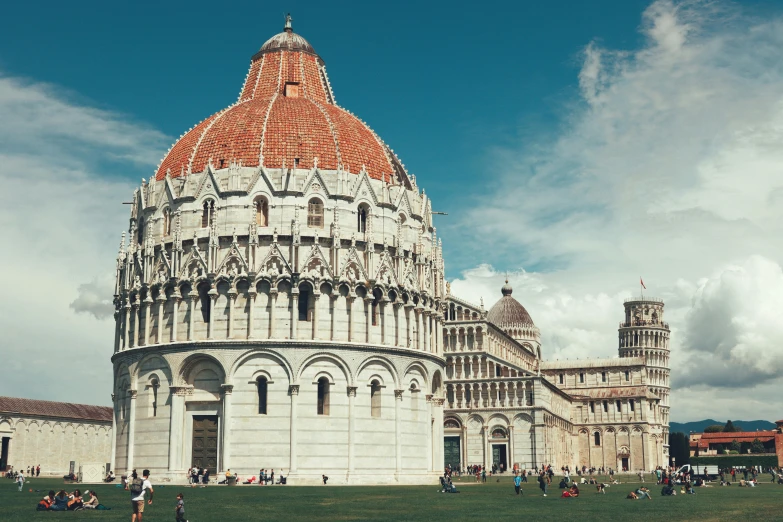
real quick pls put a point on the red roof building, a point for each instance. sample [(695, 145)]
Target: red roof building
[(50, 409)]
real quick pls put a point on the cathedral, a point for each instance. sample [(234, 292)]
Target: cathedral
[(508, 407), (280, 303)]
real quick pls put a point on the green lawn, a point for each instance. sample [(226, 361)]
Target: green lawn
[(490, 501)]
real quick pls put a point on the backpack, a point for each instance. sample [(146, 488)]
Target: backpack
[(136, 487)]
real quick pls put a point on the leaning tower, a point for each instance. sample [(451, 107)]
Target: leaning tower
[(645, 334)]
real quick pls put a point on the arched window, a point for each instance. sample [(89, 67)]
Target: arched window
[(375, 399), (205, 301), (498, 433), (261, 208), (315, 213), (167, 222), (361, 217), (154, 385), (323, 396), (140, 231), (261, 385), (597, 438), (208, 213)]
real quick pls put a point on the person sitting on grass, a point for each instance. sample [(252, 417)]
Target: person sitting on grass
[(643, 493), (668, 490), (93, 502), (563, 483), (601, 488), (75, 502), (572, 492), (60, 501), (46, 503), (251, 480)]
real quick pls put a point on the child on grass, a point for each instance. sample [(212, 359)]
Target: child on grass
[(180, 508)]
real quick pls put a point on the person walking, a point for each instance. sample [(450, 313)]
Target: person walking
[(37, 470), (517, 484), (542, 481), (20, 480), (179, 510), (138, 488)]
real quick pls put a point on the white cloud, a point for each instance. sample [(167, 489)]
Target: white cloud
[(60, 216), (670, 168)]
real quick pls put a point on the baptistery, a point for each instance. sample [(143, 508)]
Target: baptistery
[(278, 299)]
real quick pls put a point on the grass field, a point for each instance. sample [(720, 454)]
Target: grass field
[(490, 501)]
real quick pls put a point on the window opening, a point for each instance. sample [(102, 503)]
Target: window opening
[(261, 383), (315, 213), (262, 211), (581, 377), (597, 438), (375, 399), (304, 304), (323, 396), (155, 385), (208, 213)]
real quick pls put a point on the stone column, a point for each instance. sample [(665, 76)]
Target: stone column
[(430, 432), (213, 295), (384, 330), (418, 342), (464, 446), (351, 320), (293, 391), (232, 301), (487, 449), (351, 427), (192, 296), (251, 316), (161, 301), (316, 299), (425, 319), (333, 308), (175, 314), (294, 312), (398, 432), (113, 431), (117, 326), (177, 425), (272, 312), (227, 389), (367, 319), (396, 311), (437, 403), (126, 327), (136, 316), (131, 427), (147, 305), (510, 462), (408, 341)]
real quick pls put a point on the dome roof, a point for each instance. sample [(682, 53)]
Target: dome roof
[(508, 312), (285, 116)]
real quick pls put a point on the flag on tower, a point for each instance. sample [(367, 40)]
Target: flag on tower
[(642, 282)]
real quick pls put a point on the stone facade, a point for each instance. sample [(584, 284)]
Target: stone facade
[(52, 434), (504, 404), (275, 313)]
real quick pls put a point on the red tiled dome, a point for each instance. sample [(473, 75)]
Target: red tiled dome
[(285, 112)]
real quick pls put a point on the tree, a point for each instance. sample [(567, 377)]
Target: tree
[(757, 446), (715, 428), (679, 448), (735, 445), (730, 428)]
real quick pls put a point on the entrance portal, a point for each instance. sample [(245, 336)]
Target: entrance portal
[(451, 453), (205, 442), (499, 456), (4, 454), (625, 464)]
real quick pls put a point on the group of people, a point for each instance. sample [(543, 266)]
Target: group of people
[(199, 475), (30, 472), (64, 501)]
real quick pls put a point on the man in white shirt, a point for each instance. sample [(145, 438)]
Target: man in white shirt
[(138, 487), (20, 480)]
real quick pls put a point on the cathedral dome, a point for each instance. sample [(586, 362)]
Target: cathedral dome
[(508, 312), (286, 117)]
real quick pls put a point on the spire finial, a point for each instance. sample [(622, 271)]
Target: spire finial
[(288, 27)]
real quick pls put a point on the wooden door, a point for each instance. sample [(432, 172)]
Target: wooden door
[(205, 442)]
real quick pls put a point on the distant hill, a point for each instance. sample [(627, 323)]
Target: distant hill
[(698, 426)]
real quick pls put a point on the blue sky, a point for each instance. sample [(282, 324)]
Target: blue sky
[(576, 145), (442, 83)]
